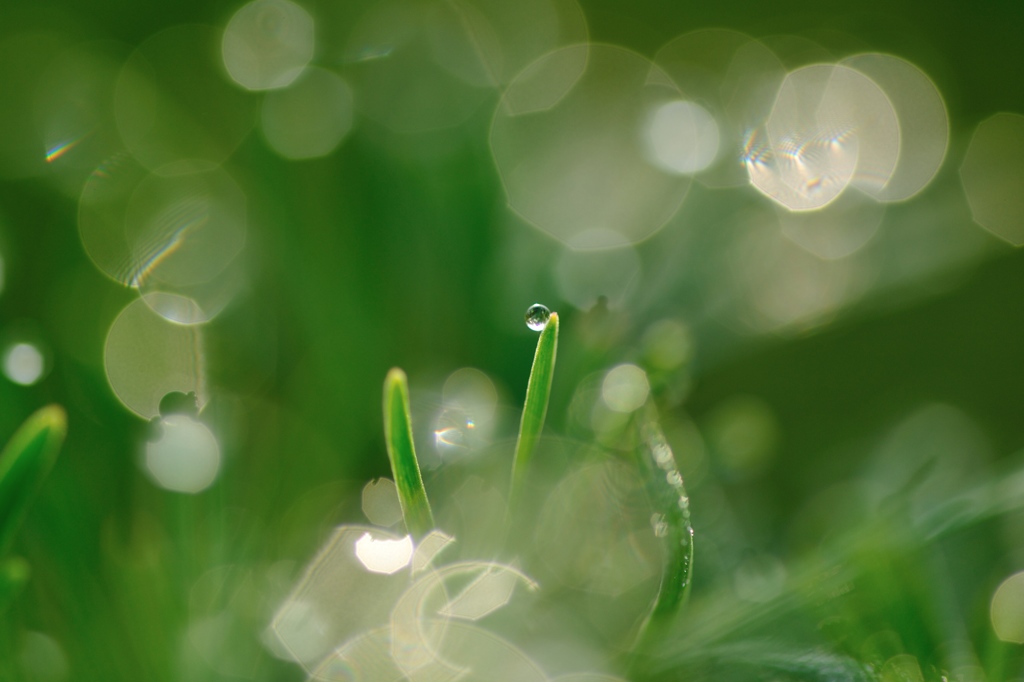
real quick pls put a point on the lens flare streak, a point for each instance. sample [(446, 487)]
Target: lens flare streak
[(59, 150), (162, 249)]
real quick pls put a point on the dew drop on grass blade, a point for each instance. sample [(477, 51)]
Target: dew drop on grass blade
[(671, 523), (536, 406)]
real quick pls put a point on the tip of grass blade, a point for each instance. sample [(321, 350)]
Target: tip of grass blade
[(24, 464), (52, 418), (396, 377), (419, 520)]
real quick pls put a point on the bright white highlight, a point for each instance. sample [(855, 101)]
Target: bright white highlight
[(384, 556), (24, 364), (625, 388), (682, 138), (831, 127), (186, 458)]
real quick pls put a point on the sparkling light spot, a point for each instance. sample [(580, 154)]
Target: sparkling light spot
[(682, 138), (625, 388), (384, 556), (24, 364), (186, 458), (831, 127)]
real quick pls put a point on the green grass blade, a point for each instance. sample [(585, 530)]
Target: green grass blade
[(14, 574), (404, 466), (671, 505), (24, 464), (535, 408)]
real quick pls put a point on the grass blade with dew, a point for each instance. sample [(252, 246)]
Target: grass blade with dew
[(535, 408), (671, 521), (419, 520), (25, 463)]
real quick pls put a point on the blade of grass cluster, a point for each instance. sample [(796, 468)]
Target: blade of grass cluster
[(24, 464), (535, 409), (667, 494), (404, 466)]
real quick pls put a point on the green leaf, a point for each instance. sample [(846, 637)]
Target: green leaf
[(404, 466), (535, 408), (14, 574), (24, 464)]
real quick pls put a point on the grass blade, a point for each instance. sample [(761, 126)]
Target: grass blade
[(535, 408), (671, 505), (404, 466), (24, 464)]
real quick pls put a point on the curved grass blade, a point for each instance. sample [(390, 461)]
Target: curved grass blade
[(671, 521), (24, 464), (404, 466), (535, 408), (14, 574)]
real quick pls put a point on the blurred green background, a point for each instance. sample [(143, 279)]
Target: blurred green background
[(398, 249)]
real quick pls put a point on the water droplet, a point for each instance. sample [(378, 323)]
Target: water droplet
[(674, 479), (663, 455), (537, 317), (659, 524)]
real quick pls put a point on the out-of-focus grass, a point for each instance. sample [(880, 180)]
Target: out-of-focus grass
[(24, 464)]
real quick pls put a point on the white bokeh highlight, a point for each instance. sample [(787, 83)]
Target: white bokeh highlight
[(267, 44), (24, 363), (186, 458)]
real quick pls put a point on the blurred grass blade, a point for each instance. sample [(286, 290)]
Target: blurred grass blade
[(14, 573), (671, 521), (536, 406), (24, 464), (406, 469)]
